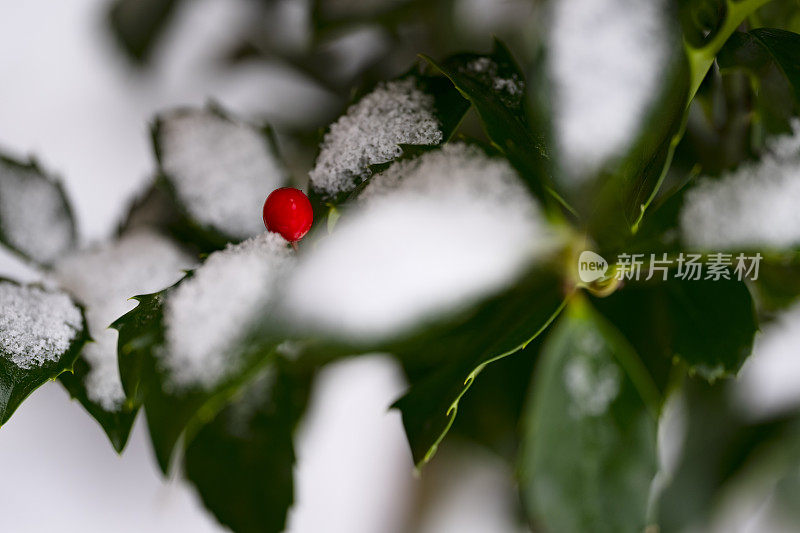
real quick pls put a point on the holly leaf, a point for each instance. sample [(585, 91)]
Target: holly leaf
[(173, 413), (242, 461), (495, 86), (19, 378), (443, 362), (116, 424), (449, 108), (622, 195), (216, 170), (36, 219), (772, 58), (709, 325), (589, 448)]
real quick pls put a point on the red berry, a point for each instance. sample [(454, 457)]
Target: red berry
[(288, 211)]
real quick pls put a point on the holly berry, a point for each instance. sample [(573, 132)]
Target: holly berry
[(288, 211)]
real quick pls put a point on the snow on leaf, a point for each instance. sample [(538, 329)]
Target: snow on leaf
[(752, 206), (103, 278), (41, 332), (607, 61), (35, 218), (207, 315), (395, 112), (221, 170), (37, 325), (428, 236)]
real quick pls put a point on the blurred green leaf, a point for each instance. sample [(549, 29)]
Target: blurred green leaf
[(710, 325), (17, 383), (772, 58), (443, 362), (617, 203), (701, 20), (589, 451), (172, 413), (36, 220), (778, 283), (138, 24), (242, 461), (722, 444)]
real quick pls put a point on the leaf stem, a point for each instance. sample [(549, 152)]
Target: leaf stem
[(700, 60)]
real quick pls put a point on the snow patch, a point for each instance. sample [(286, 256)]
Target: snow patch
[(510, 88), (592, 382), (33, 215), (756, 205), (103, 278), (208, 315), (37, 326), (222, 170), (396, 112), (428, 236), (768, 380), (607, 61)]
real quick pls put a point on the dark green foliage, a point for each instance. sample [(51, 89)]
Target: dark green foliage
[(138, 24), (242, 461), (443, 363), (589, 450)]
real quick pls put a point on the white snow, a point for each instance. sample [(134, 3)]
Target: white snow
[(222, 170), (209, 314), (429, 236), (756, 205), (103, 278), (767, 383), (486, 68), (33, 215), (37, 326), (607, 63), (591, 378), (396, 112)]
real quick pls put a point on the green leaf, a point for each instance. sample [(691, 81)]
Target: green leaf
[(589, 451), (710, 325), (445, 361), (174, 413), (137, 24), (778, 283), (772, 58), (36, 219), (139, 331), (116, 424), (16, 382), (701, 20), (242, 461), (495, 85), (620, 198)]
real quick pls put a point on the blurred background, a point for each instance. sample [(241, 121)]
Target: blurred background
[(79, 82)]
